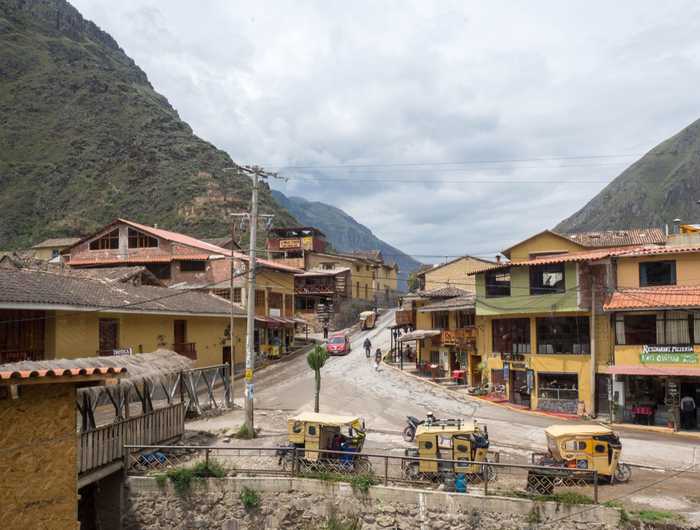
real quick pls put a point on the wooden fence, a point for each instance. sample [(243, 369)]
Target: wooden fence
[(104, 445)]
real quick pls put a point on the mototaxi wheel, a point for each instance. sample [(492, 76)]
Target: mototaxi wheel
[(409, 433), (488, 473), (411, 472), (623, 473)]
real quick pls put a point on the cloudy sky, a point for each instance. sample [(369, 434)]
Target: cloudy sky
[(433, 123)]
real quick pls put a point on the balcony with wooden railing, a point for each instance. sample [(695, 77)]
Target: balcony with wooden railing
[(404, 317), (15, 356), (458, 337), (188, 349)]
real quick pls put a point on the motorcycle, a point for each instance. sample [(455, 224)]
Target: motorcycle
[(409, 433)]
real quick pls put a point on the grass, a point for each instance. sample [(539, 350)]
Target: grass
[(244, 433), (565, 497), (182, 478), (363, 483), (624, 516), (654, 516), (250, 498)]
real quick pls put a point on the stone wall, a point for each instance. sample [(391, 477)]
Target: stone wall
[(38, 460), (306, 504)]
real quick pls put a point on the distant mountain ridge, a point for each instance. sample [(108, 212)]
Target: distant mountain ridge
[(344, 232), (659, 187), (84, 138)]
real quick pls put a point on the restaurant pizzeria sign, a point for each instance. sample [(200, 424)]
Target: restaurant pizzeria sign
[(668, 354)]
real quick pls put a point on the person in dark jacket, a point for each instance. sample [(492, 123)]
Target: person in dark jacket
[(368, 347)]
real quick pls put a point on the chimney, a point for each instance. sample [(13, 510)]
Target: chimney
[(498, 258)]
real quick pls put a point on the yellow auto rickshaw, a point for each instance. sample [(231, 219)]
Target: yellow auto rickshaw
[(449, 440), (589, 447), (368, 319), (311, 433)]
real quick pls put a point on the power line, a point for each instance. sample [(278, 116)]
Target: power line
[(462, 162)]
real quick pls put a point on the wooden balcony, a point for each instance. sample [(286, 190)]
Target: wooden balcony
[(404, 317), (15, 356), (187, 349), (458, 337)]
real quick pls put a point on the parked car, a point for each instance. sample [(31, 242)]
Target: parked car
[(338, 345)]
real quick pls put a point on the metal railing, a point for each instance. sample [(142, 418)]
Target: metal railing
[(104, 445), (487, 477)]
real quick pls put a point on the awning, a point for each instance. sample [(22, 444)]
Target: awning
[(419, 334), (645, 369), (275, 322)]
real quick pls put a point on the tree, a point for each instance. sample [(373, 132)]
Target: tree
[(316, 359)]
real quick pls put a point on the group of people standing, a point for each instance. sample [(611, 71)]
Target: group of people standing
[(377, 354)]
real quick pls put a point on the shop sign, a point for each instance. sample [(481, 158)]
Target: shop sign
[(307, 243), (668, 354), (290, 243)]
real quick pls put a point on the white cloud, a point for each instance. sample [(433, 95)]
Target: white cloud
[(324, 83)]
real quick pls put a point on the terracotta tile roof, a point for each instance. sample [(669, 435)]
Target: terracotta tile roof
[(645, 298), (57, 242), (50, 290), (63, 368), (619, 238), (654, 250), (451, 304)]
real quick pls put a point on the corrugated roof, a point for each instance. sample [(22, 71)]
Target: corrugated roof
[(57, 242), (41, 288), (645, 298), (451, 304), (619, 238)]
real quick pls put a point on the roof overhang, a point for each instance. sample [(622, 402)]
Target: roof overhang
[(419, 334), (641, 369), (102, 310)]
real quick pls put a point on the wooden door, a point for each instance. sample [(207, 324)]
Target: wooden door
[(109, 336), (180, 331), (602, 393)]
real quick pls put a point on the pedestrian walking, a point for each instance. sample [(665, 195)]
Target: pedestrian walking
[(377, 359), (688, 413), (368, 347)]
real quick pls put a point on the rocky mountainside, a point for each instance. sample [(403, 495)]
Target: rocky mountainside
[(662, 185), (344, 232), (85, 138)]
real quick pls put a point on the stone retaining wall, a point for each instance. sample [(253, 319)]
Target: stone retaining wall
[(307, 504)]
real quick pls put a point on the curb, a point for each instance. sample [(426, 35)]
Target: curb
[(477, 398)]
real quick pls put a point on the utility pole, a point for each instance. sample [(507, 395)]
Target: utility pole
[(252, 217)]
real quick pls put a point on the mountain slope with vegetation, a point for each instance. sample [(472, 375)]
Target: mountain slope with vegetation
[(85, 138), (661, 186), (344, 232)]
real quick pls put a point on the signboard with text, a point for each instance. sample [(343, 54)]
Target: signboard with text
[(679, 354), (290, 243)]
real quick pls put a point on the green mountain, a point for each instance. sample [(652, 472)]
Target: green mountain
[(344, 232), (661, 186), (85, 138)]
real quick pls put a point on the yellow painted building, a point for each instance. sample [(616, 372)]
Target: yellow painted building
[(362, 271), (455, 273), (53, 315)]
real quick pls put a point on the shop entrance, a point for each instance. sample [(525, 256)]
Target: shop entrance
[(602, 393), (688, 404), (519, 394)]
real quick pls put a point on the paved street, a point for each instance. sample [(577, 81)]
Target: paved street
[(350, 385)]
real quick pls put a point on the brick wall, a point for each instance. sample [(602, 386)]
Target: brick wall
[(38, 458)]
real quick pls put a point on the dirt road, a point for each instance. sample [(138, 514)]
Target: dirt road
[(350, 385)]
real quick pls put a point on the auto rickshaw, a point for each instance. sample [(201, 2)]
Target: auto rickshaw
[(449, 440), (368, 319), (310, 432), (584, 447)]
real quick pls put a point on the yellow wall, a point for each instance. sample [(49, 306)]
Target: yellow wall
[(687, 269), (77, 335), (39, 458), (542, 243), (454, 274), (579, 364), (361, 273), (43, 253)]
